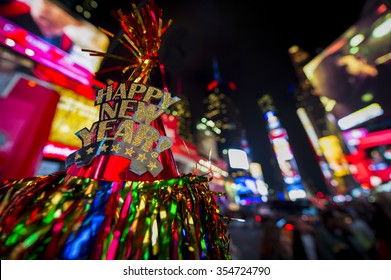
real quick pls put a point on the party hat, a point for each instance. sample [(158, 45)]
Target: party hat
[(128, 142)]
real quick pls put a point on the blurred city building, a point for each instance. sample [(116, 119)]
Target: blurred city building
[(222, 120)]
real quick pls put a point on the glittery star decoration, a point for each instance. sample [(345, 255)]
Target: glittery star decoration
[(103, 148), (145, 162), (152, 165), (141, 157), (129, 152), (115, 148), (141, 160)]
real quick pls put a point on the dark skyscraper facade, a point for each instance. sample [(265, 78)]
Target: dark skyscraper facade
[(222, 114), (222, 117)]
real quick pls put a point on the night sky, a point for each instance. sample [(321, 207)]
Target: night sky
[(250, 40)]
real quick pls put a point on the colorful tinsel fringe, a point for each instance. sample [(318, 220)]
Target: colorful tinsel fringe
[(66, 217)]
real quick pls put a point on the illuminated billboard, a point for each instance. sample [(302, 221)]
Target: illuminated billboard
[(285, 158), (332, 150), (74, 112), (45, 32), (238, 159), (372, 159), (354, 72)]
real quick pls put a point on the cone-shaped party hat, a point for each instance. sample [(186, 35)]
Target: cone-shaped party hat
[(128, 142)]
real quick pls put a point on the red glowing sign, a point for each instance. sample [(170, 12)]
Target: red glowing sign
[(42, 52)]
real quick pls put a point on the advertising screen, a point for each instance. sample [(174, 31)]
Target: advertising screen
[(74, 112), (332, 150), (372, 160), (354, 71), (47, 33)]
